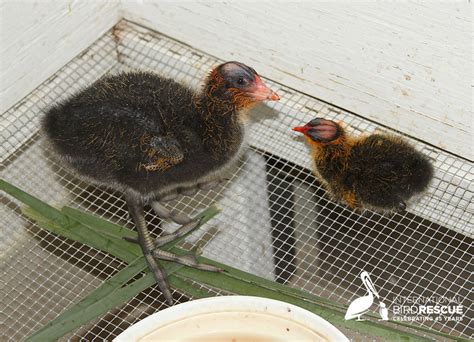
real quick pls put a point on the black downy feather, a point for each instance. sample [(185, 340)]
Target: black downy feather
[(103, 132)]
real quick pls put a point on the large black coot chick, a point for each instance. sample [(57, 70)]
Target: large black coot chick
[(148, 136)]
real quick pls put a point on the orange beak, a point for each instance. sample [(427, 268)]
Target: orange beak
[(260, 92), (302, 129)]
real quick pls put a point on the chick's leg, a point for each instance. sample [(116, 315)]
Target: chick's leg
[(135, 208)]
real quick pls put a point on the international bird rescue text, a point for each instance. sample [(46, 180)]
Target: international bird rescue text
[(411, 308)]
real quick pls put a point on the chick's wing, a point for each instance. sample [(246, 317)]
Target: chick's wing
[(160, 153)]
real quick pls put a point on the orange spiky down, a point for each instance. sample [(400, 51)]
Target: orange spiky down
[(379, 171), (214, 81)]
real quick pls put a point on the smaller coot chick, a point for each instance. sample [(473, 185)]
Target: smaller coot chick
[(378, 172)]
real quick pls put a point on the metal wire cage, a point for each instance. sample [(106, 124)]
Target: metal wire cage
[(291, 232)]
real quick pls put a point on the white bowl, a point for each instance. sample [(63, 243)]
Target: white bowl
[(233, 319)]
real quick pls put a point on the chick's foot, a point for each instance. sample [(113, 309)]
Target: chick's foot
[(187, 260), (150, 247)]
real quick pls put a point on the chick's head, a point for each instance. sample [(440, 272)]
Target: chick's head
[(240, 84), (321, 132)]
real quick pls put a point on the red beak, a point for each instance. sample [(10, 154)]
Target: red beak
[(260, 92), (302, 129)]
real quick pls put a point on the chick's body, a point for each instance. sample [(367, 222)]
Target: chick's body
[(146, 135), (143, 132), (379, 171)]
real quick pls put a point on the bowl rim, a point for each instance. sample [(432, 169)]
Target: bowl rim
[(231, 304)]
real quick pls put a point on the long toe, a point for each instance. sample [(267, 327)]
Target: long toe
[(211, 184), (187, 260), (169, 197), (188, 191), (166, 213), (183, 230), (160, 277)]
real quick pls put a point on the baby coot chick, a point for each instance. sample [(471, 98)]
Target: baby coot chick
[(379, 171), (148, 136)]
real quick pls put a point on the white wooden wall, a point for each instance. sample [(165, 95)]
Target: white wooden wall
[(39, 37), (407, 65)]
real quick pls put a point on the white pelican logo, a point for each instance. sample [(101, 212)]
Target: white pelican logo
[(361, 305)]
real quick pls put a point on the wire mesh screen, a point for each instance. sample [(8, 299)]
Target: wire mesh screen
[(277, 221)]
